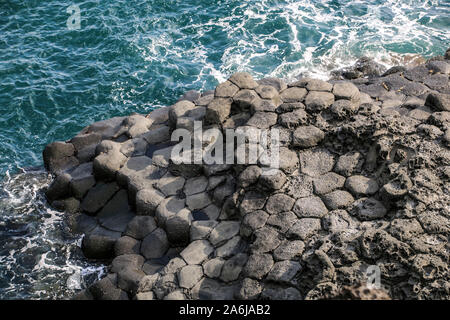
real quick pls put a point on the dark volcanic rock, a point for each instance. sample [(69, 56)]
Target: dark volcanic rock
[(360, 186)]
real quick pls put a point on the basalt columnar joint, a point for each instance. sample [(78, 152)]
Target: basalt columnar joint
[(363, 181)]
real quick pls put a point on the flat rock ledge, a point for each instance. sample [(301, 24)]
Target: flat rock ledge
[(363, 181)]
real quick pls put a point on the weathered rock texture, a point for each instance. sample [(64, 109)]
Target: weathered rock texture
[(364, 180)]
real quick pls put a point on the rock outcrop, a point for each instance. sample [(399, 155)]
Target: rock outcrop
[(363, 180)]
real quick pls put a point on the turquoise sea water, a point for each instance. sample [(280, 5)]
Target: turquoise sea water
[(138, 55)]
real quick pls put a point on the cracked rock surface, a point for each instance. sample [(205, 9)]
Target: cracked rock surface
[(363, 180)]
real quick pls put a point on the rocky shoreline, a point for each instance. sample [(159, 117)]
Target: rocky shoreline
[(363, 181)]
